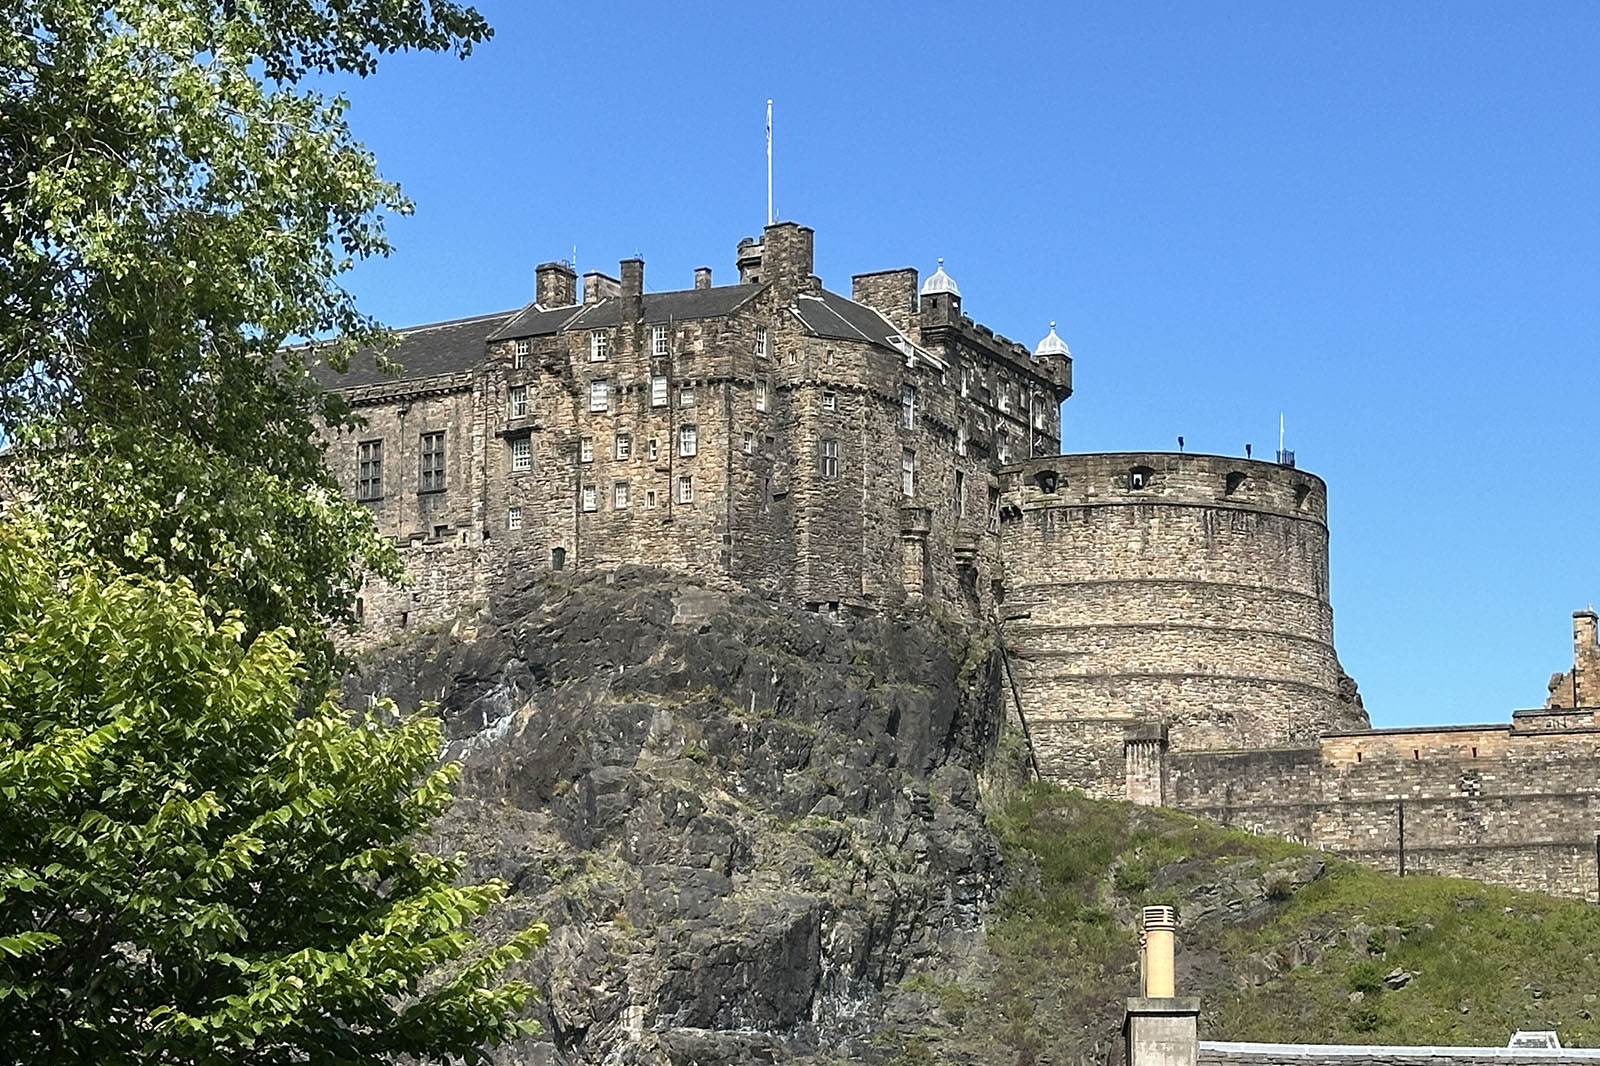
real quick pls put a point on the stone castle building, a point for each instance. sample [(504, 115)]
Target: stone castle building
[(1167, 617)]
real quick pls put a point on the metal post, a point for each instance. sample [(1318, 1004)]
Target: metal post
[(1401, 808)]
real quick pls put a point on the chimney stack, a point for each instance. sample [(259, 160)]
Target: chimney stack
[(632, 278), (1160, 1028), (555, 285), (598, 286), (786, 257), (748, 260), (702, 277)]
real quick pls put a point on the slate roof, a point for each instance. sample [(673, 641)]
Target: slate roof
[(423, 352), (656, 307), (831, 315)]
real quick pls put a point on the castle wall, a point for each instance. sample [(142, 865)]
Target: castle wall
[(1187, 593)]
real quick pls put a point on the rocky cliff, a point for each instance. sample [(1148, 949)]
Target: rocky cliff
[(742, 822)]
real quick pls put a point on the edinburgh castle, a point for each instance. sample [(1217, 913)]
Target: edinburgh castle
[(1167, 616)]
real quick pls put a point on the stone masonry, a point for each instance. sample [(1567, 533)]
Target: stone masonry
[(1167, 617)]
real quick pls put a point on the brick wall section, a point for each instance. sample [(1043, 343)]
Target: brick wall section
[(1179, 591)]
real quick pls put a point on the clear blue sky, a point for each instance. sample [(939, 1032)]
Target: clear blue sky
[(1380, 219)]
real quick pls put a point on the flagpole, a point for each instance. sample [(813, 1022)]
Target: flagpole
[(769, 162)]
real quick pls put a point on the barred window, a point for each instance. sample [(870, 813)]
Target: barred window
[(369, 470), (599, 346), (522, 454), (517, 398), (431, 475), (659, 343), (828, 460), (688, 440), (599, 396)]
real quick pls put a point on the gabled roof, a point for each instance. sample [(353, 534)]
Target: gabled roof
[(423, 352), (655, 308)]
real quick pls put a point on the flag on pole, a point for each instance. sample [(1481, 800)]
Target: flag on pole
[(769, 162)]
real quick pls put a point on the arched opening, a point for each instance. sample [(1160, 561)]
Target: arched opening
[(1302, 493), (1047, 480), (1233, 482), (1140, 477)]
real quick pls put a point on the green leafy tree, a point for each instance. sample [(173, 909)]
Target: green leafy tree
[(177, 204), (194, 871)]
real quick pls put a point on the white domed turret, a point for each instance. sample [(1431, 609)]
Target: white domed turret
[(1051, 345), (940, 282)]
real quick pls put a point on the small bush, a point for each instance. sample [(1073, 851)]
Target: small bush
[(1365, 976), (1132, 878), (1377, 942)]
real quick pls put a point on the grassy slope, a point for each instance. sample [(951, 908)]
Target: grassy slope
[(1281, 943)]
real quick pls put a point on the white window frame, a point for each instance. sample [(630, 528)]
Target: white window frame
[(908, 473), (749, 443), (585, 449), (830, 401), (599, 346), (762, 342), (658, 391), (961, 440), (763, 400), (622, 446), (619, 495), (686, 396), (655, 448), (1003, 390), (521, 453), (688, 441), (650, 499), (660, 341), (599, 396), (520, 353), (514, 518), (1002, 446), (685, 488), (591, 498), (517, 401), (828, 457), (908, 407)]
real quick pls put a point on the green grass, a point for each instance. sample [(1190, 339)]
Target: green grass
[(1300, 962)]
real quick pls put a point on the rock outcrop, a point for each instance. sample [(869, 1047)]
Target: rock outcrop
[(742, 822)]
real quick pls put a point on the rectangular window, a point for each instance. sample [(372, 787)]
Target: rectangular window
[(655, 449), (1002, 446), (762, 400), (688, 440), (431, 474), (828, 460), (966, 378), (830, 401), (599, 396), (369, 470), (791, 359), (908, 472), (1004, 389), (961, 494), (599, 346), (514, 518), (659, 345), (961, 440), (518, 401), (519, 357), (619, 495), (749, 443), (994, 509), (585, 449), (685, 489), (591, 498), (558, 558), (686, 396), (761, 342), (908, 406), (658, 391), (522, 454), (624, 447), (650, 500)]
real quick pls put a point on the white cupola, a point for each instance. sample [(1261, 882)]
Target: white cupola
[(940, 282), (1051, 345)]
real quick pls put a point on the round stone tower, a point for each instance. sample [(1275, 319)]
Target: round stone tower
[(1158, 600)]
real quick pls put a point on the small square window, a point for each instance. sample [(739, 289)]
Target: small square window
[(599, 396), (686, 489), (830, 401), (514, 518), (688, 440), (591, 498), (522, 454), (585, 449), (517, 398), (519, 356), (624, 446), (658, 391), (619, 495), (599, 346), (659, 341)]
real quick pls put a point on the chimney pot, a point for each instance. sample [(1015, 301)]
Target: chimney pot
[(1160, 924)]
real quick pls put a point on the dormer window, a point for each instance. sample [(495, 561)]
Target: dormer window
[(599, 346)]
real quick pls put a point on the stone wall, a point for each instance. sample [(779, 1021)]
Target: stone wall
[(1184, 592)]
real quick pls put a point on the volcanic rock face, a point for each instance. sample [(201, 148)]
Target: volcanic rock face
[(741, 821)]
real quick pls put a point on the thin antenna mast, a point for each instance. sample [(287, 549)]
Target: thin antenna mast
[(769, 162), (1280, 432)]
